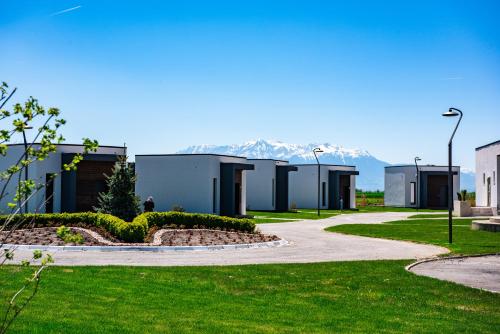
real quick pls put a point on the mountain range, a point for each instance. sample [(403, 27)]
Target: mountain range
[(371, 169)]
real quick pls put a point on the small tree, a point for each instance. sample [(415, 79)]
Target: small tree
[(120, 199), (13, 123)]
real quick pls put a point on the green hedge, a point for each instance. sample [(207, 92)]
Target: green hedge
[(198, 220), (136, 230)]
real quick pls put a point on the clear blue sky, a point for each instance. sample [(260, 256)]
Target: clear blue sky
[(162, 75)]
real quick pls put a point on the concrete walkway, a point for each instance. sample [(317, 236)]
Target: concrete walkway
[(308, 242), (482, 272)]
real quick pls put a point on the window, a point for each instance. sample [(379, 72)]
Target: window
[(273, 192), (413, 193), (484, 178), (49, 192), (323, 189), (494, 178), (214, 195)]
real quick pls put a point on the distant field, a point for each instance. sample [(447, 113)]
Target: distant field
[(369, 198)]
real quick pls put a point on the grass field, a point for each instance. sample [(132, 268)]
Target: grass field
[(261, 217), (430, 231), (341, 297), (430, 215), (280, 217)]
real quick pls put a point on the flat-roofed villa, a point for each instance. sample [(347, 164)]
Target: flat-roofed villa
[(337, 186), (203, 183), (268, 185)]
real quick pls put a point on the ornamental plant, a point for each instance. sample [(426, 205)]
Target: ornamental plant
[(44, 125), (120, 200)]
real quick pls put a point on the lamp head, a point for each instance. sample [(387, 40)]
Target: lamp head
[(318, 150), (451, 113), (417, 159)]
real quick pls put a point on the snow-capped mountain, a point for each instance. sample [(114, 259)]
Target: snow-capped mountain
[(371, 169)]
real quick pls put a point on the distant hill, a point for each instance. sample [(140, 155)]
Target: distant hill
[(371, 169)]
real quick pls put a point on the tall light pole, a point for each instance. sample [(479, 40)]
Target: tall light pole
[(318, 150), (452, 112), (416, 184)]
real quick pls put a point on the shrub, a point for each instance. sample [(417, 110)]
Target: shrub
[(190, 220), (67, 236), (136, 230)]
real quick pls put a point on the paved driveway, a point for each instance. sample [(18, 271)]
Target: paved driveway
[(308, 242), (482, 272)]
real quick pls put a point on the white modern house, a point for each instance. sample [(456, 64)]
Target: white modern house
[(203, 183), (425, 188), (267, 185), (68, 191), (487, 178), (336, 182)]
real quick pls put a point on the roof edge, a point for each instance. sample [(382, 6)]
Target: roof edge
[(487, 145)]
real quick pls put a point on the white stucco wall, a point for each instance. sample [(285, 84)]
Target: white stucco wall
[(488, 165), (397, 183), (37, 171), (185, 180), (260, 195), (303, 186)]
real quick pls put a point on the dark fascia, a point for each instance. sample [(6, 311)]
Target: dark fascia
[(487, 145), (440, 166), (328, 165), (74, 145), (190, 154), (268, 160)]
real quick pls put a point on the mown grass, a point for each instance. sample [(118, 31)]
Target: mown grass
[(430, 231), (341, 297), (282, 217), (261, 217), (430, 215)]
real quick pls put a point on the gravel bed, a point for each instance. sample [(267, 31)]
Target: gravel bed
[(204, 237), (46, 236)]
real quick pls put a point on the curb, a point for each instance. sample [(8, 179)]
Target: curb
[(457, 257), (268, 244)]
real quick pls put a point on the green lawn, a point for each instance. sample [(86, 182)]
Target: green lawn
[(302, 214), (281, 217), (430, 231), (430, 215), (348, 297)]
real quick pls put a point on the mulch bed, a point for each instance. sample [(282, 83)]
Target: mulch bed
[(45, 236), (203, 237)]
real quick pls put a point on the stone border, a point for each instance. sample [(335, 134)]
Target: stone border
[(268, 244)]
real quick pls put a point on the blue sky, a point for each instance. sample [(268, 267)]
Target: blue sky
[(162, 75)]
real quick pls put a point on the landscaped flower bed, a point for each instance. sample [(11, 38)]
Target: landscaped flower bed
[(51, 236), (136, 230), (148, 229)]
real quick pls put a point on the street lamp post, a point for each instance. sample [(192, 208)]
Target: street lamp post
[(452, 112), (318, 150), (416, 184)]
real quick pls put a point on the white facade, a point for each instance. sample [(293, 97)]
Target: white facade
[(403, 190), (263, 185), (304, 187), (192, 181), (38, 170), (487, 178)]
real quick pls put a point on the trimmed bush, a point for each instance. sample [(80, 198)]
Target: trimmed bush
[(136, 230), (197, 220)]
